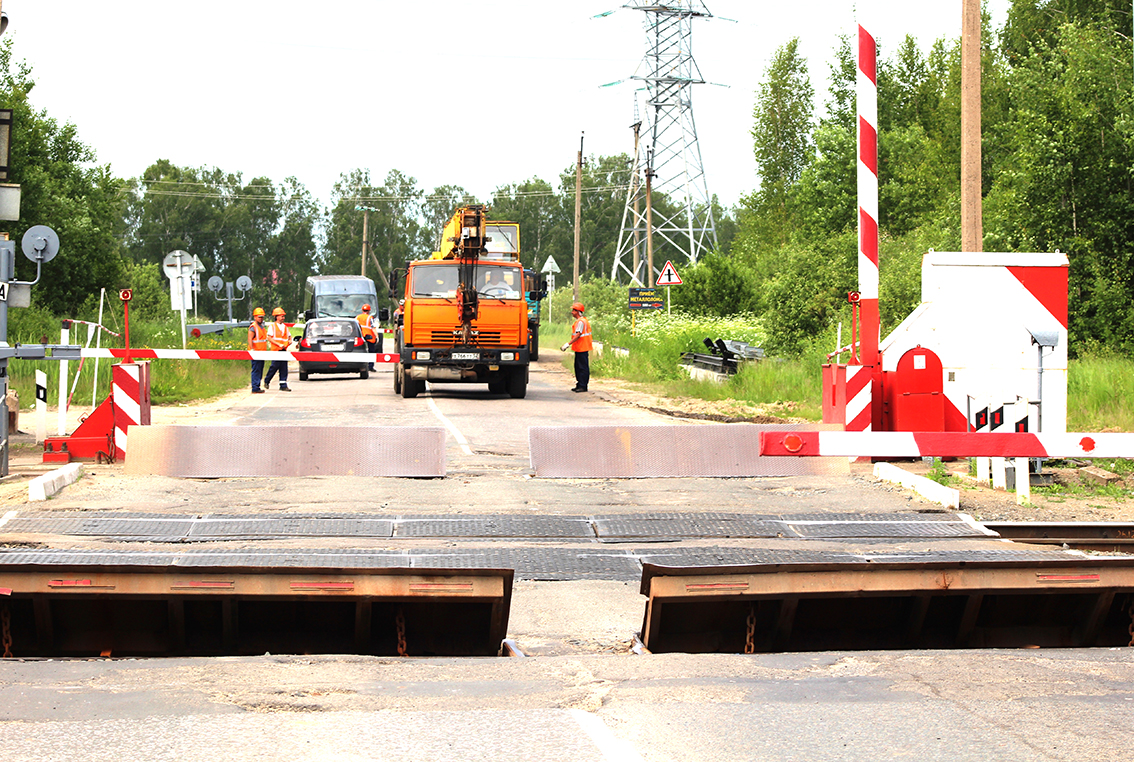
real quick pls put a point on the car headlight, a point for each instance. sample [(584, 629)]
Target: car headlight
[(507, 356)]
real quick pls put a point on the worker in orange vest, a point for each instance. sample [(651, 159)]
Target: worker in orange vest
[(279, 339), (366, 323), (580, 342), (257, 342)]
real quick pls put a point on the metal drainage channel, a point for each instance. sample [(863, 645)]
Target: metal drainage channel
[(1081, 602), (158, 609)]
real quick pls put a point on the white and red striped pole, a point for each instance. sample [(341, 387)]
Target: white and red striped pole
[(866, 98)]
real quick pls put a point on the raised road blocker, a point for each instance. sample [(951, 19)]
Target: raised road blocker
[(210, 452), (85, 603), (640, 452), (1044, 599)]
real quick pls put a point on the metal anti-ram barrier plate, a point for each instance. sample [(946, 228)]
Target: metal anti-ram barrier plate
[(211, 452), (706, 450)]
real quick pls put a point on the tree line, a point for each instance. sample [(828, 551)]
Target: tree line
[(1058, 171)]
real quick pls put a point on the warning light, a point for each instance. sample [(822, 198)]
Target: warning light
[(126, 294), (854, 297), (793, 443)]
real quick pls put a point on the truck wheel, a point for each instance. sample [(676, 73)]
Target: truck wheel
[(498, 387), (397, 379), (518, 382), (410, 387), (533, 342)]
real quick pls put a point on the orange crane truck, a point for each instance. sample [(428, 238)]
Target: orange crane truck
[(465, 315)]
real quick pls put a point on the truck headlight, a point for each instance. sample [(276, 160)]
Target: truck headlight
[(505, 356), (421, 355)]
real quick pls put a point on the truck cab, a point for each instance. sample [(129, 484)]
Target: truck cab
[(465, 317)]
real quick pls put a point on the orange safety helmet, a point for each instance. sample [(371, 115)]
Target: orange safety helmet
[(278, 311), (578, 307), (366, 308), (259, 311)]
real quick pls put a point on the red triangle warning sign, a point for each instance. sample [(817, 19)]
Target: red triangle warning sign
[(669, 276)]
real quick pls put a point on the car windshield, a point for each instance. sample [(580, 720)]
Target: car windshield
[(332, 329), (341, 305)]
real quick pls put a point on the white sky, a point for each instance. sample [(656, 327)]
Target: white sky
[(476, 94)]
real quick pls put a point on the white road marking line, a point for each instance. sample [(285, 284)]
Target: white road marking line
[(612, 748), (464, 443), (8, 517)]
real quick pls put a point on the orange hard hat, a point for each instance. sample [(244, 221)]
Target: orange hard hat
[(258, 311), (366, 308), (278, 311), (578, 307)]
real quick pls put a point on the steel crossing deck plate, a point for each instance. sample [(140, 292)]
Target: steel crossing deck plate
[(640, 452), (211, 452), (523, 527)]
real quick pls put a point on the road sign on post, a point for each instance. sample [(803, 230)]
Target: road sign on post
[(179, 267), (669, 276)]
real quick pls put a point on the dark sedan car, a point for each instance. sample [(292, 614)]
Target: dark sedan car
[(333, 335)]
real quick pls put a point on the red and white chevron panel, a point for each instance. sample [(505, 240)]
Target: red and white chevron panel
[(130, 388), (235, 354), (907, 444), (859, 397)]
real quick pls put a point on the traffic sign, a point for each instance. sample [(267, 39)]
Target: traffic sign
[(550, 266), (669, 276), (3, 291), (178, 263)]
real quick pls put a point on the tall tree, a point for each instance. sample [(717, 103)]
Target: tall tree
[(783, 121), (62, 187)]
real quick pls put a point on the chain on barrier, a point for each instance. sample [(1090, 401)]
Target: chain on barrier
[(6, 627), (400, 621), (750, 639)]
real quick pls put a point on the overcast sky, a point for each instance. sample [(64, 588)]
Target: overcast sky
[(474, 94)]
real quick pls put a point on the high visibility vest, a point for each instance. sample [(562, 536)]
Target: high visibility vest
[(279, 336), (366, 323), (583, 343), (258, 335)]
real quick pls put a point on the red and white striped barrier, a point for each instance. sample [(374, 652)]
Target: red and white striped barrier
[(945, 444), (131, 393), (236, 354), (866, 403)]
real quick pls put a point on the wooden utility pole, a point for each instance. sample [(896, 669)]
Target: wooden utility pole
[(578, 210), (649, 219), (365, 236), (972, 233)]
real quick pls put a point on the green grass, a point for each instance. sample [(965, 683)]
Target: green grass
[(1100, 392)]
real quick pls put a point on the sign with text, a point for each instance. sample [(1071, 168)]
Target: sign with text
[(646, 299)]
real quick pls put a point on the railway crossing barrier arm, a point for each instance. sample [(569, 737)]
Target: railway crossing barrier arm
[(912, 444)]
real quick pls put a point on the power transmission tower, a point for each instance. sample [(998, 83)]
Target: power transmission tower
[(668, 136)]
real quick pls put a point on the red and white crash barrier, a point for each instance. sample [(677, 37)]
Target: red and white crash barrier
[(947, 444), (236, 354)]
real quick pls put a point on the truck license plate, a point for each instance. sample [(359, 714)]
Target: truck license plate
[(466, 355)]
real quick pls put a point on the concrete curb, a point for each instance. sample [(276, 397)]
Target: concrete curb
[(43, 487), (927, 488)]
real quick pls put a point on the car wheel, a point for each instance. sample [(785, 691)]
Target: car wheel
[(303, 375), (518, 382), (364, 374)]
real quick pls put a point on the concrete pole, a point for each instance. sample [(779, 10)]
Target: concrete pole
[(365, 237), (649, 220), (972, 234), (578, 211)]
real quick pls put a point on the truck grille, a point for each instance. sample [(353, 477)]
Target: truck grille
[(482, 339)]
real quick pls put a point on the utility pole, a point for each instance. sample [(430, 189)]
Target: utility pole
[(649, 218), (578, 210), (972, 235), (365, 236)]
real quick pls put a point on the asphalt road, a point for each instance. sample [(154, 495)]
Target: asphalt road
[(582, 695)]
